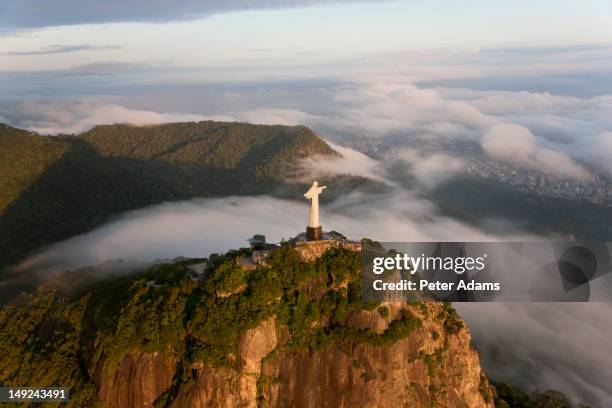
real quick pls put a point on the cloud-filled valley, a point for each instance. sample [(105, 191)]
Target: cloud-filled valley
[(199, 227)]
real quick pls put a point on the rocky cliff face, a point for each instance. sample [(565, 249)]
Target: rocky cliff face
[(407, 373), (431, 367), (311, 250), (139, 380), (224, 387)]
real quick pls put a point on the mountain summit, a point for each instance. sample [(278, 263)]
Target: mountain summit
[(209, 332)]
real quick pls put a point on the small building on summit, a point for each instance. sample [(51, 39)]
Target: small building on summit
[(260, 249), (257, 241)]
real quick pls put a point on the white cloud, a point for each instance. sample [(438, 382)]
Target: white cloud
[(381, 108), (562, 346), (429, 170), (517, 144), (504, 103), (539, 130), (199, 227), (79, 116), (352, 162), (274, 116), (603, 150)]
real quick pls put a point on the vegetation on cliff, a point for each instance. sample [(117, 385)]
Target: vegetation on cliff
[(73, 334), (508, 396)]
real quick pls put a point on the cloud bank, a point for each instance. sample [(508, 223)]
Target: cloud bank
[(563, 346), (414, 102), (428, 171), (82, 115), (517, 144)]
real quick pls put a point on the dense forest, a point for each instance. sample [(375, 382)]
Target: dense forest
[(52, 188)]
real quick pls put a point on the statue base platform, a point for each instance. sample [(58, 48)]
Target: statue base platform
[(314, 233)]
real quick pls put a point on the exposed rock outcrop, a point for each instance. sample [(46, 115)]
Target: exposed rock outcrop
[(430, 367), (140, 379), (223, 387), (407, 373), (311, 250)]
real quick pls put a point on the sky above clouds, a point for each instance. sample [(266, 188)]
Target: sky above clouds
[(197, 32)]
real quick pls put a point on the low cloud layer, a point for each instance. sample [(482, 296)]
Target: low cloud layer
[(427, 170), (199, 227), (513, 143), (352, 162), (563, 346), (416, 114), (79, 116)]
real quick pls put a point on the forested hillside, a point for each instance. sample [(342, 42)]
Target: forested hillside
[(52, 188), (236, 337)]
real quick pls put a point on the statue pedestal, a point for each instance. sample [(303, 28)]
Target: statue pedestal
[(314, 233)]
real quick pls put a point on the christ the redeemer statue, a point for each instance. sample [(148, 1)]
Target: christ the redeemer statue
[(314, 230)]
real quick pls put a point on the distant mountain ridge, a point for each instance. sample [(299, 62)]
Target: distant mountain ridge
[(54, 187)]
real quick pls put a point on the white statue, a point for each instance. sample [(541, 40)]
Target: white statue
[(313, 195)]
